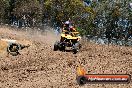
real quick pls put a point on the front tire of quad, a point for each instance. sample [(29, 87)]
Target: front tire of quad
[(74, 51), (13, 49), (56, 47), (62, 47), (80, 46), (75, 48)]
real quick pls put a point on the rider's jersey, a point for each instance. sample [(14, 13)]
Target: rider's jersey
[(72, 29), (66, 28)]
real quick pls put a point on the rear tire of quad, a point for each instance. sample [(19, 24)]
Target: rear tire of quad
[(56, 47), (13, 49)]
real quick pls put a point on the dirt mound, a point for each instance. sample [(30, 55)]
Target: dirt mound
[(40, 67)]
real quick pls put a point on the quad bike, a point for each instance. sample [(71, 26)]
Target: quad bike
[(68, 39), (12, 46)]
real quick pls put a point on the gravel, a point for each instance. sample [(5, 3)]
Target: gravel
[(41, 67)]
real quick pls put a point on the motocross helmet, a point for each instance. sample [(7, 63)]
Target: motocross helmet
[(67, 23)]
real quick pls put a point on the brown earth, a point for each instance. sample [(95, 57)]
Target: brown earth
[(41, 67)]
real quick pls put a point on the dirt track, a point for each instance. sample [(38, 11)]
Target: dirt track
[(40, 67)]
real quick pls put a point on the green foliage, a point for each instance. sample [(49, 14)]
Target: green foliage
[(66, 9), (27, 6), (61, 10), (4, 4)]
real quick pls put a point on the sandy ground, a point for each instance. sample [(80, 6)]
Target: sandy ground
[(41, 67)]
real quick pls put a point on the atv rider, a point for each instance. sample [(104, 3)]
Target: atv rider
[(68, 27)]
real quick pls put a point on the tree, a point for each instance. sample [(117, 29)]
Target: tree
[(62, 10), (4, 4)]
